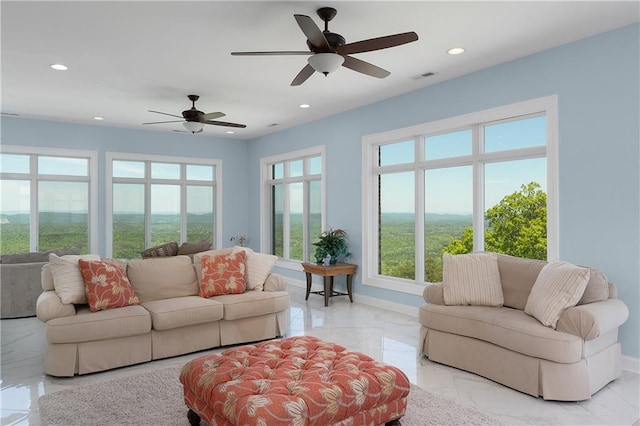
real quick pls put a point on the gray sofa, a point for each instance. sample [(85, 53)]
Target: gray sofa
[(20, 281), (504, 344), (170, 320)]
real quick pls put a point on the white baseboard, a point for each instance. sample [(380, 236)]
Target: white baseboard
[(628, 363)]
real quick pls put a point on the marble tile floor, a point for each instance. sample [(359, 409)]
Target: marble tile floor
[(384, 335)]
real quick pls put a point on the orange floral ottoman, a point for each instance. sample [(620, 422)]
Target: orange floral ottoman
[(297, 381)]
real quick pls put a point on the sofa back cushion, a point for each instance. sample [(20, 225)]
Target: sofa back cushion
[(162, 277), (597, 288), (518, 276)]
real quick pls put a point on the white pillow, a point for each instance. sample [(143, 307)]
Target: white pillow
[(471, 279), (257, 267), (559, 286), (67, 279)]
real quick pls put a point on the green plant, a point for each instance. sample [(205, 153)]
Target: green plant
[(332, 242)]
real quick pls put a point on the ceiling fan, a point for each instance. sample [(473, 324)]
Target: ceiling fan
[(194, 120), (330, 50)]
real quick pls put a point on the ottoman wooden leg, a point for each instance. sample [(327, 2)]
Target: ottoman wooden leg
[(395, 422), (194, 419)]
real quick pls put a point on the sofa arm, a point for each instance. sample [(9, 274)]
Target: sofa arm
[(434, 293), (49, 306), (275, 282), (594, 319)]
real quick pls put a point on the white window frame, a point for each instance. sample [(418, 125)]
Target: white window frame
[(547, 105), (34, 177), (265, 197), (147, 181)]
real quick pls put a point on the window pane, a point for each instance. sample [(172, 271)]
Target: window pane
[(13, 163), (396, 153), (200, 213), (516, 134), (448, 216), (195, 172), (315, 165), (14, 216), (315, 215), (277, 226), (396, 219), (448, 145), (165, 171), (277, 171), (128, 169), (63, 166), (295, 221), (516, 208), (165, 214), (128, 220), (63, 219), (296, 168)]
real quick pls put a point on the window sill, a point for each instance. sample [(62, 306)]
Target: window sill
[(395, 284)]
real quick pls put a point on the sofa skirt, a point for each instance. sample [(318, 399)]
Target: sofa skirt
[(536, 377)]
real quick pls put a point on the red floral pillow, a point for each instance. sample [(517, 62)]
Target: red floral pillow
[(106, 285), (223, 274)]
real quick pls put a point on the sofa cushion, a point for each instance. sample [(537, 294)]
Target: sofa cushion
[(223, 274), (192, 248), (67, 278), (107, 285), (597, 288), (163, 250), (559, 286), (471, 279), (253, 303), (518, 276), (197, 259), (183, 311), (507, 327), (87, 326), (162, 277), (259, 266)]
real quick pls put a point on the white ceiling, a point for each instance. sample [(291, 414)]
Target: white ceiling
[(125, 58)]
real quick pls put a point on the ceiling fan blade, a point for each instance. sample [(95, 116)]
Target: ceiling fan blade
[(161, 122), (303, 75), (166, 113), (364, 67), (281, 52), (313, 33), (224, 123), (211, 116), (377, 43)]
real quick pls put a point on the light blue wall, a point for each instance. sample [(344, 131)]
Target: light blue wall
[(597, 84), (233, 153)]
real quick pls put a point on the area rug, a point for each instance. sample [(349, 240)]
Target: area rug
[(155, 398)]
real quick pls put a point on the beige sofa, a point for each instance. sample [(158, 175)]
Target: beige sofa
[(504, 344), (170, 320)]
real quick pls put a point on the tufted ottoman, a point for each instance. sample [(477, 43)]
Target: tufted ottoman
[(298, 381)]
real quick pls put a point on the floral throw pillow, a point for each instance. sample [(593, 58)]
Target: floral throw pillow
[(223, 274), (106, 285)]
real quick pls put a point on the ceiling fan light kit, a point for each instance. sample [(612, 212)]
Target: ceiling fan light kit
[(330, 50), (326, 63), (193, 126)]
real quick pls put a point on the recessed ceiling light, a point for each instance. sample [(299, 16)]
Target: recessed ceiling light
[(59, 67), (455, 51), (230, 132), (98, 118), (304, 105)]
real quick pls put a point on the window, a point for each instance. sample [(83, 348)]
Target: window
[(481, 182), (48, 199), (292, 204), (155, 200)]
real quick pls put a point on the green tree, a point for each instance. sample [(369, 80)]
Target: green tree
[(517, 225)]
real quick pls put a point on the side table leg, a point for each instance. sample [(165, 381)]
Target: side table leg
[(308, 274), (349, 285), (328, 284)]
